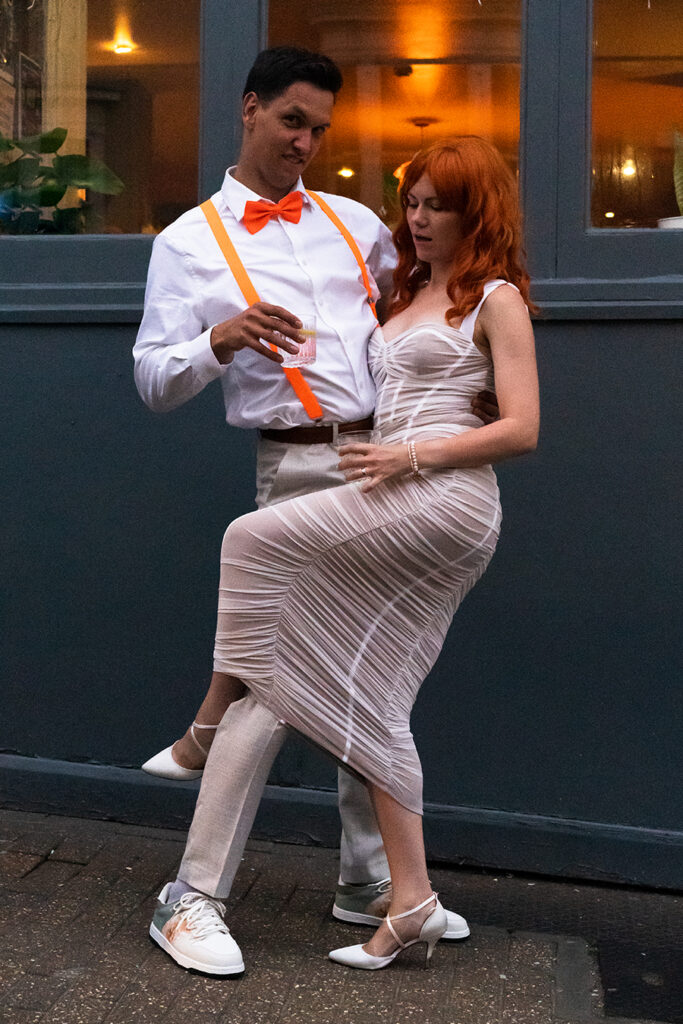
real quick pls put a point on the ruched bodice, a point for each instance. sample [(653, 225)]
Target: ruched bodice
[(426, 378)]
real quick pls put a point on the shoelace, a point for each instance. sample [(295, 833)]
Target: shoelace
[(202, 915)]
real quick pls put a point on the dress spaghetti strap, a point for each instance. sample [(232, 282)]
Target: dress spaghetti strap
[(468, 324)]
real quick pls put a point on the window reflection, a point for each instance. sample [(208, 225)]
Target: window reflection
[(120, 79), (637, 104), (414, 72)]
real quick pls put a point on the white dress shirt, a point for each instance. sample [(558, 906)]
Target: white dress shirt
[(307, 267)]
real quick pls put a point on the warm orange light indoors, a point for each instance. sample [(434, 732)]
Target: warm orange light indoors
[(123, 42), (345, 172), (628, 168), (422, 31), (417, 71), (609, 215), (420, 91), (401, 171)]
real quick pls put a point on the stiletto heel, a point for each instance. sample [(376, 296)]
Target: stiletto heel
[(433, 927), (165, 766)]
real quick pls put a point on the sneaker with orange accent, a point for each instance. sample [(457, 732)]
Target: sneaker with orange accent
[(192, 931)]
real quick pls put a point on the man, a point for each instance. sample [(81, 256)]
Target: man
[(301, 261)]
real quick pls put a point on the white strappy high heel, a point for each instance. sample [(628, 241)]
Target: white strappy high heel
[(431, 931), (165, 766)]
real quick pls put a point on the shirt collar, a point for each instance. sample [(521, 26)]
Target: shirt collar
[(236, 195)]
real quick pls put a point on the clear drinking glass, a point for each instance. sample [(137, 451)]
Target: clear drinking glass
[(358, 437), (306, 354)]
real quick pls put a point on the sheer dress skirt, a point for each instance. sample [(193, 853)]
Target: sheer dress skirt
[(333, 607)]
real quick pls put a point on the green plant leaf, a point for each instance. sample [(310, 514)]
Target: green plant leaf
[(40, 195), (25, 198), (9, 174), (69, 221), (5, 144), (49, 193), (48, 142), (678, 169), (28, 170), (84, 172)]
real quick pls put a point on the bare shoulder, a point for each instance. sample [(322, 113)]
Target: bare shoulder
[(504, 320), (502, 304)]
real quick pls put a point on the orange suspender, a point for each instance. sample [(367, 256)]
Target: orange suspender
[(295, 377), (350, 241)]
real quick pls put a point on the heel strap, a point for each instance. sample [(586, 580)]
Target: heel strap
[(196, 725), (407, 913)]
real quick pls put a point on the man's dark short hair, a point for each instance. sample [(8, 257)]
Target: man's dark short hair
[(274, 70)]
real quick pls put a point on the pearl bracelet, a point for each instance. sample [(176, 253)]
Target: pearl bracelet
[(415, 469)]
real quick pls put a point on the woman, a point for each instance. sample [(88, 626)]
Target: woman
[(334, 606)]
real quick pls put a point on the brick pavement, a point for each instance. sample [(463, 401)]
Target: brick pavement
[(78, 895)]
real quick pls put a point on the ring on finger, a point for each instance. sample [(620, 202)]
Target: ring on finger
[(364, 471)]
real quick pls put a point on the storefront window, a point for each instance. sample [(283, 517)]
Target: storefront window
[(99, 108), (414, 72), (637, 109)]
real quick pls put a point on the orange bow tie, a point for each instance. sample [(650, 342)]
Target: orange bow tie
[(257, 214)]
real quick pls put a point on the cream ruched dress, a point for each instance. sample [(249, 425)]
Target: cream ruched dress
[(333, 606)]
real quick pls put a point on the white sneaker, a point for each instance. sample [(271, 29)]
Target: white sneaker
[(192, 931), (367, 904)]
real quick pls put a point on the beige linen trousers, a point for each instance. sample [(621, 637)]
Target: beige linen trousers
[(249, 736)]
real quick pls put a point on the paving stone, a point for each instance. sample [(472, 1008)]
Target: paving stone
[(36, 992), (14, 864), (48, 875), (527, 951), (150, 996), (423, 995), (578, 996), (13, 1015), (77, 849), (37, 841), (527, 998), (82, 1008), (302, 916), (476, 995), (370, 995), (203, 996), (9, 975), (318, 993), (95, 991), (260, 995)]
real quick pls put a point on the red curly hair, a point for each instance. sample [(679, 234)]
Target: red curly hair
[(469, 176)]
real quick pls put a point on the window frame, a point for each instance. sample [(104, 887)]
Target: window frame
[(578, 271), (66, 278)]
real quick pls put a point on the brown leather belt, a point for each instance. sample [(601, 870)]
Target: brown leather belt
[(324, 434)]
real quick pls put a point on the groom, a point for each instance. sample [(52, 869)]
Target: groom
[(207, 317)]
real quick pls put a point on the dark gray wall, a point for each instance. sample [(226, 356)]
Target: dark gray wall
[(550, 728)]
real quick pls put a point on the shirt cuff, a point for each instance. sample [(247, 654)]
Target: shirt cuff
[(202, 359)]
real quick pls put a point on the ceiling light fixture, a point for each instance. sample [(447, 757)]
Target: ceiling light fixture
[(123, 40)]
